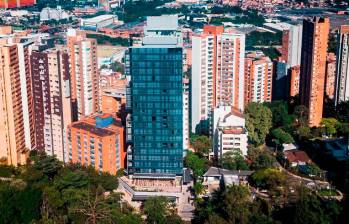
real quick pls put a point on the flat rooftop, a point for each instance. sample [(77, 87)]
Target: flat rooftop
[(99, 18), (102, 132), (164, 22), (109, 51)]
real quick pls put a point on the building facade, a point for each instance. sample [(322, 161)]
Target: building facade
[(52, 100), (288, 63), (217, 73), (294, 80), (229, 131), (330, 77), (258, 78), (342, 73), (97, 141), (84, 73), (13, 149), (313, 67), (8, 4), (156, 99), (292, 45), (26, 91)]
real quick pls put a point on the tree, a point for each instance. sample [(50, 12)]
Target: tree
[(94, 207), (197, 164), (301, 114), (280, 136), (233, 204), (261, 158), (281, 118), (303, 131), (159, 210), (43, 191), (258, 122), (330, 125), (117, 67), (202, 144), (314, 169), (342, 111), (233, 160), (270, 179), (309, 209)]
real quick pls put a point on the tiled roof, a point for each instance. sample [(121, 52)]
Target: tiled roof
[(297, 156)]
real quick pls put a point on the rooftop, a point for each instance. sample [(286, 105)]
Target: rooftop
[(153, 176), (102, 132), (215, 171), (297, 156), (99, 18), (235, 112), (101, 125), (164, 22), (108, 51)]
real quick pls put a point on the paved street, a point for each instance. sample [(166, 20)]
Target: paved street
[(185, 208)]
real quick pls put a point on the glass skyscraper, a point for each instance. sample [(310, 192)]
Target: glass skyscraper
[(156, 91)]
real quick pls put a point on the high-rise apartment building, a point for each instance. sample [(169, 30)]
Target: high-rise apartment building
[(330, 76), (13, 150), (23, 46), (52, 100), (156, 99), (292, 45), (97, 140), (217, 73), (84, 73), (313, 66), (294, 80), (8, 4), (258, 78), (290, 59), (342, 73)]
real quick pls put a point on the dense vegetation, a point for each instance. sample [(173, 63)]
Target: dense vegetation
[(45, 191), (139, 10), (104, 39), (239, 17), (235, 205)]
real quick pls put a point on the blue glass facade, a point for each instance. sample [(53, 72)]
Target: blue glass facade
[(157, 109)]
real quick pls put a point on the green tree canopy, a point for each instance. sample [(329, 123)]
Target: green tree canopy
[(258, 122), (196, 163), (330, 125), (309, 209), (301, 115), (270, 179), (45, 191), (233, 160), (261, 158), (281, 117), (159, 210), (202, 144), (280, 136)]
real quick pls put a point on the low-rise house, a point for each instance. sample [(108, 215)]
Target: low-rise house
[(297, 157), (216, 177)]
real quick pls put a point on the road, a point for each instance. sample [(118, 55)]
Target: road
[(185, 206)]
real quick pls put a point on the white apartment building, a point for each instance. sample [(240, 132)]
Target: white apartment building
[(229, 131), (294, 45), (342, 73), (84, 73), (217, 73)]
